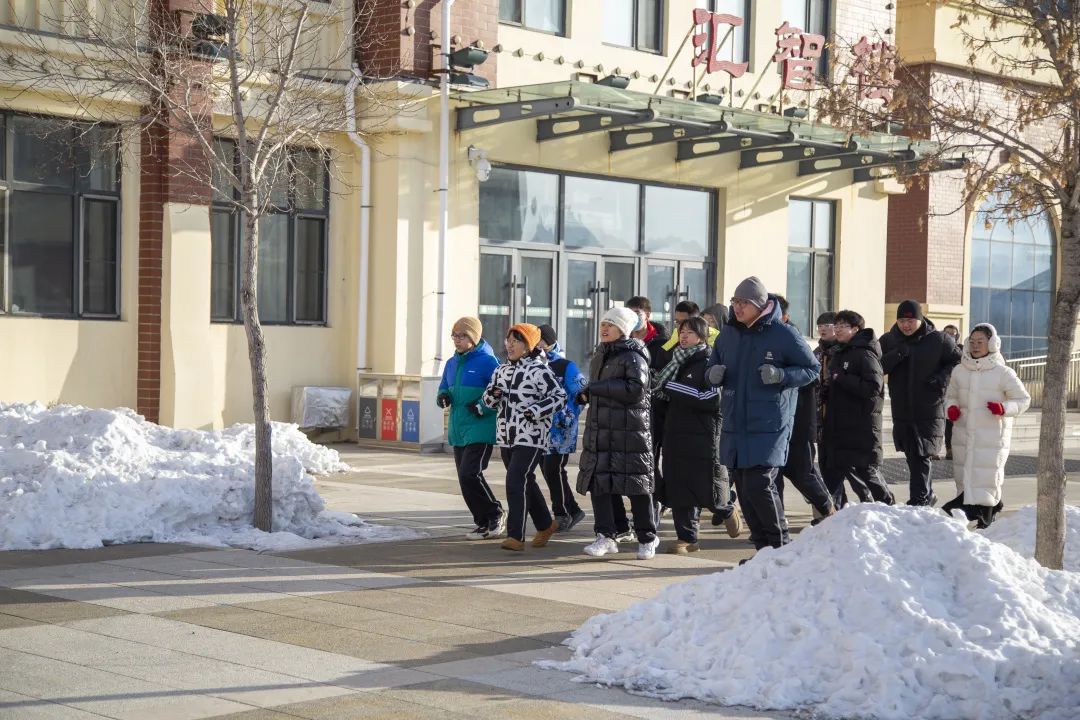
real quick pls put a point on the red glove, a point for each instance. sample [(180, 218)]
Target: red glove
[(996, 408), (953, 413)]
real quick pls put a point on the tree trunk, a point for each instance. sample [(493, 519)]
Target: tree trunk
[(249, 304), (1050, 508)]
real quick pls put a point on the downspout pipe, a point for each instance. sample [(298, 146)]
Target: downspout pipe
[(365, 219), (444, 186)]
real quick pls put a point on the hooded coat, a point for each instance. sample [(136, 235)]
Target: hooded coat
[(918, 367), (564, 425), (691, 429), (617, 446), (856, 390), (465, 377), (758, 418), (980, 438)]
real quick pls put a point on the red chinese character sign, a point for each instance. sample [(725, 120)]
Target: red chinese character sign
[(705, 47), (875, 69), (798, 53)]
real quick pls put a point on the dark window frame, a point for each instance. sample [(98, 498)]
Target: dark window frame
[(746, 28), (562, 32), (818, 20), (295, 214), (661, 14), (815, 253), (79, 191)]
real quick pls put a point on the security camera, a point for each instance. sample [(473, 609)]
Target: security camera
[(481, 165)]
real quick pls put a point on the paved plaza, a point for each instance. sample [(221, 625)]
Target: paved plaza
[(437, 627)]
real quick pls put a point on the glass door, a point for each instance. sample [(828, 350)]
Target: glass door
[(537, 300), (618, 281), (515, 286), (662, 290), (694, 284), (582, 299), (495, 297)]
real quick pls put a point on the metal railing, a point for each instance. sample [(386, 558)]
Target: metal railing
[(1032, 372)]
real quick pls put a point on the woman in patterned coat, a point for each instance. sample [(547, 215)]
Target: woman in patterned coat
[(526, 395)]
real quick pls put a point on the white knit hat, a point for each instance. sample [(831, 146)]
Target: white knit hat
[(623, 318)]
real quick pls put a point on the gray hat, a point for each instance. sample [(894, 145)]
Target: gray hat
[(752, 290)]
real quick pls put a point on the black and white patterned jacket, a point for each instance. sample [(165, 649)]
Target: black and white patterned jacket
[(529, 390)]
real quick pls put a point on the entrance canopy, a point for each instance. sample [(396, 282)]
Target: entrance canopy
[(696, 128)]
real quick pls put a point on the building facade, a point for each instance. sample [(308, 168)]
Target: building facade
[(621, 147)]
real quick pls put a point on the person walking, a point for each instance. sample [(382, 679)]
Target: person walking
[(526, 395), (759, 362), (918, 360), (691, 434), (471, 431), (852, 429), (562, 441), (801, 468), (984, 396), (714, 316), (617, 455), (953, 332)]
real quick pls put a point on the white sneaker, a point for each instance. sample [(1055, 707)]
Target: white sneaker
[(647, 551), (500, 529), (603, 545), (478, 533)]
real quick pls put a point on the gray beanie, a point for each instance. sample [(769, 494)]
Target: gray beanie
[(752, 290)]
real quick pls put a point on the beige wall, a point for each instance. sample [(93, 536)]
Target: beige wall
[(85, 362)]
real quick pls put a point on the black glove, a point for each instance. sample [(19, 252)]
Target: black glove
[(444, 400), (528, 415), (497, 393), (902, 352), (476, 409), (582, 398)]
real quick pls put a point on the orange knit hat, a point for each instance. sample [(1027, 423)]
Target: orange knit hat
[(531, 333)]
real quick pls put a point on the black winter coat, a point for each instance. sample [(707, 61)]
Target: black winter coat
[(617, 446), (658, 358), (856, 391), (691, 432), (919, 368)]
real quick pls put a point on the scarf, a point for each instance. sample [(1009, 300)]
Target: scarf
[(678, 357)]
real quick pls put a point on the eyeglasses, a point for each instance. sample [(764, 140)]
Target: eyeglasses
[(841, 326), (825, 325), (458, 336), (739, 301)]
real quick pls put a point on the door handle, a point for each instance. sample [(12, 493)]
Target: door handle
[(525, 299)]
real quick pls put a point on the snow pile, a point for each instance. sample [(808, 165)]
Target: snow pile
[(881, 612), (1018, 532), (75, 477)]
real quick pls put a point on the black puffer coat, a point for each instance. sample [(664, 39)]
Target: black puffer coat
[(691, 433), (919, 367), (852, 429), (617, 447)]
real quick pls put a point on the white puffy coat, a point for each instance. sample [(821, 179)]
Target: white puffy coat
[(980, 441)]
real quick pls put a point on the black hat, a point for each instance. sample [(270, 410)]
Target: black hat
[(547, 334), (909, 309)]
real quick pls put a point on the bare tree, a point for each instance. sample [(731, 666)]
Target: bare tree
[(270, 75), (1014, 112)]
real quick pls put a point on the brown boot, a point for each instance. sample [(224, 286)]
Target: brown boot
[(540, 539), (513, 544), (681, 547)]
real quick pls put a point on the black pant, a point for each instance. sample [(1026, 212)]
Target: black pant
[(471, 462), (948, 435), (866, 481), (686, 523), (553, 468), (523, 495), (921, 489), (641, 506), (761, 506), (804, 475)]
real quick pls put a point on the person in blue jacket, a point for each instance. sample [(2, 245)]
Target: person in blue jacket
[(562, 440), (759, 362), (472, 427)]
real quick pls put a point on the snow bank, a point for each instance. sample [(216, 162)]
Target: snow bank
[(1018, 532), (75, 477), (881, 612)]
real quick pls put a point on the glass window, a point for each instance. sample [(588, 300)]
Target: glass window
[(519, 206), (634, 23), (676, 221), (41, 253), (60, 246), (99, 257), (1012, 276), (810, 261), (543, 15), (223, 264), (292, 241), (734, 42), (600, 213)]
